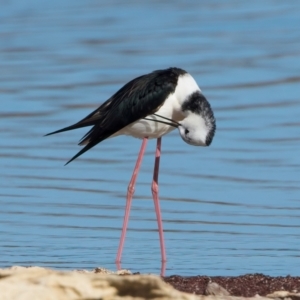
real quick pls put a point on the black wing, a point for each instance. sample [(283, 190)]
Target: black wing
[(137, 99)]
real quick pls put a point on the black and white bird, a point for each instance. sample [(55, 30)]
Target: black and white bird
[(150, 106)]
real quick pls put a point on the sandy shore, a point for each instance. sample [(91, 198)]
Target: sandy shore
[(35, 283)]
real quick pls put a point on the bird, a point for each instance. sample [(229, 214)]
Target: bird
[(149, 107)]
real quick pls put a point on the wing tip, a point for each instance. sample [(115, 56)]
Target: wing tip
[(75, 156), (50, 133), (57, 131), (68, 162)]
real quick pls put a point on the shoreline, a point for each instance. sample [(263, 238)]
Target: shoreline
[(46, 284)]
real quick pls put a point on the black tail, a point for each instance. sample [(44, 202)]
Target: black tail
[(91, 139), (74, 126), (94, 136), (86, 148), (89, 120)]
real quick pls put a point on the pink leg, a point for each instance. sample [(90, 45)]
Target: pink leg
[(154, 188), (130, 193)]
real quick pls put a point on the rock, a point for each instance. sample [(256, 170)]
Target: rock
[(106, 271), (36, 283), (284, 295), (214, 289)]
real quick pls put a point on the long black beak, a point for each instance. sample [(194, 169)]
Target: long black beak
[(170, 121)]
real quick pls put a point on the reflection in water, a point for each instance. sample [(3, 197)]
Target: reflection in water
[(231, 210)]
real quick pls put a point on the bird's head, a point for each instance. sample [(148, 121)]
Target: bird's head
[(199, 125)]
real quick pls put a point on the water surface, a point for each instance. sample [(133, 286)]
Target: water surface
[(229, 209)]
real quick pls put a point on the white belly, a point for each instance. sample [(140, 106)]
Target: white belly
[(145, 128), (151, 129)]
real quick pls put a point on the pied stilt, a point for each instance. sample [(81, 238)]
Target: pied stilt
[(147, 107)]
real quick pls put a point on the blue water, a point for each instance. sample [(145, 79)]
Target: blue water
[(229, 209)]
